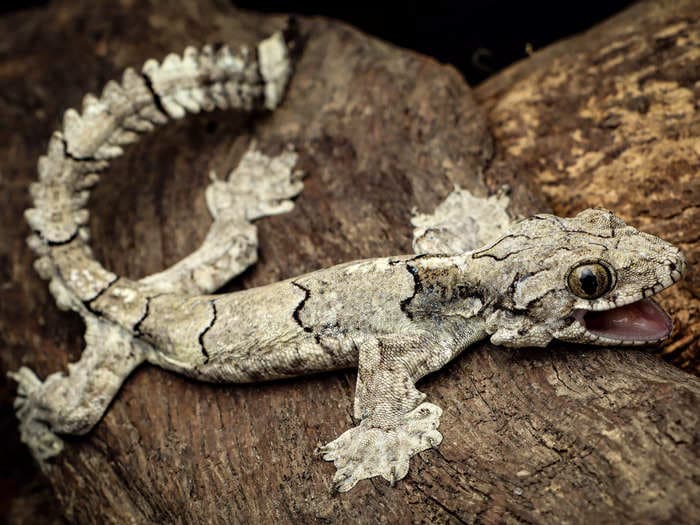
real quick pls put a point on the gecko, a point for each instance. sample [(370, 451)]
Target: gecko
[(584, 279)]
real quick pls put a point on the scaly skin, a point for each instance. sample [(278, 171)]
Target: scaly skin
[(396, 319)]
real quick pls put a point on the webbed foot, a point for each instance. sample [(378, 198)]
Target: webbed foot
[(367, 451), (259, 186), (35, 431)]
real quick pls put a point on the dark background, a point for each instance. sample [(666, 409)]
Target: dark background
[(478, 37)]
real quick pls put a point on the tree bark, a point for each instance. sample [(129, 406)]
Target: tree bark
[(557, 435)]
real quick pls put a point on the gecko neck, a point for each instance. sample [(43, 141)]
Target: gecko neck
[(451, 285)]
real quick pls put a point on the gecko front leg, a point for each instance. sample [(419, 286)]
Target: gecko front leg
[(396, 423)]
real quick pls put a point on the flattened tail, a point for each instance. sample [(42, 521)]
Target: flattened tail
[(198, 80)]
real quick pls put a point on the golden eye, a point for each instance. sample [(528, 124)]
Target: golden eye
[(590, 280)]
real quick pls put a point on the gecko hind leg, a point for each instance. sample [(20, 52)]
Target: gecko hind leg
[(73, 403), (259, 186)]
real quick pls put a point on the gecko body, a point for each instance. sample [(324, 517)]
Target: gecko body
[(584, 279)]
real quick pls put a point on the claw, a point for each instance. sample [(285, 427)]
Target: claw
[(326, 453), (391, 476), (343, 482), (329, 451)]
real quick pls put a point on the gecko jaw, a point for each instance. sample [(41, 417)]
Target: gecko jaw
[(638, 323)]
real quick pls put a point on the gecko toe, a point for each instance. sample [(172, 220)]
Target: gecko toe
[(327, 454), (344, 480), (431, 438), (397, 471), (27, 381)]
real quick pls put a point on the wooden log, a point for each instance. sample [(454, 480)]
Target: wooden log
[(547, 436)]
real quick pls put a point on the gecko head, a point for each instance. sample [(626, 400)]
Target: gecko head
[(586, 279)]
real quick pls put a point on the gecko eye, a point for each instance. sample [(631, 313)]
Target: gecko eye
[(590, 280)]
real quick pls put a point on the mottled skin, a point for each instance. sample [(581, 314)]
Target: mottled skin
[(396, 319)]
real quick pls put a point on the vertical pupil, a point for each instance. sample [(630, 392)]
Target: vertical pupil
[(589, 282)]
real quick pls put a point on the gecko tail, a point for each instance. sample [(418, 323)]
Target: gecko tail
[(198, 80)]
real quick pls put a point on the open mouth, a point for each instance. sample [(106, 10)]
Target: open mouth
[(640, 322)]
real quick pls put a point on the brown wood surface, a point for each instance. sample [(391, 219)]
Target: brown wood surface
[(563, 434)]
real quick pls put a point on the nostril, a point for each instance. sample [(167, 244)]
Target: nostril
[(676, 265), (679, 264)]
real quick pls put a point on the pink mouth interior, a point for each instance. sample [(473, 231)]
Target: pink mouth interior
[(641, 321)]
